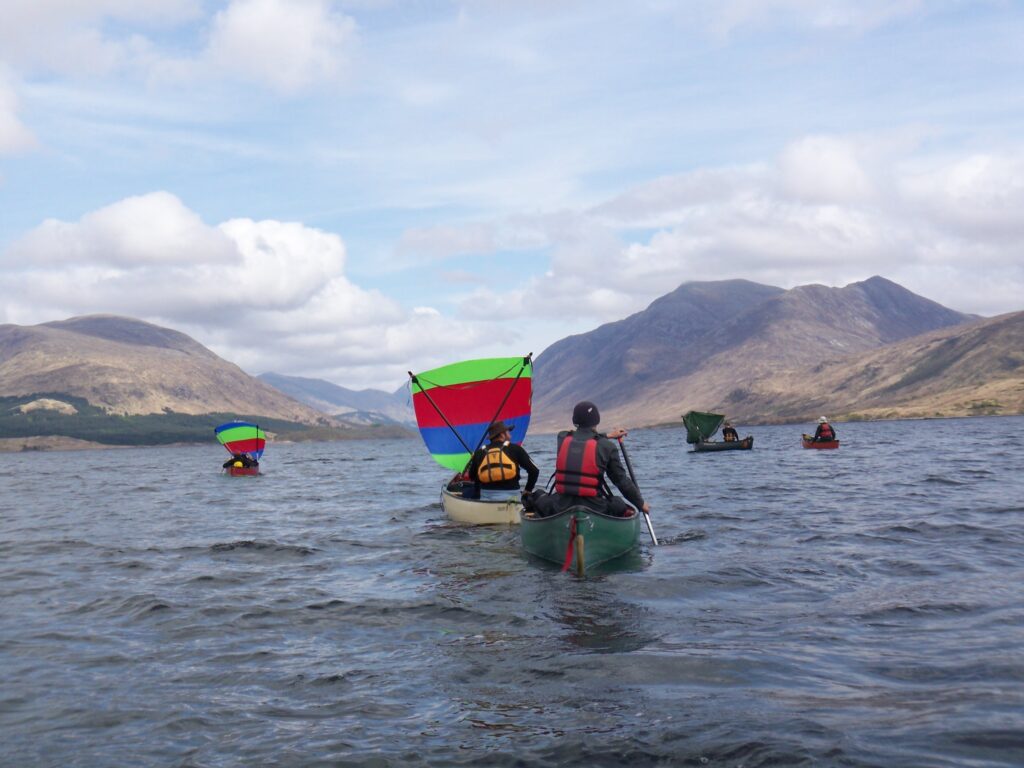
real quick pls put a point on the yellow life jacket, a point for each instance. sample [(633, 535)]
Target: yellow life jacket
[(496, 466)]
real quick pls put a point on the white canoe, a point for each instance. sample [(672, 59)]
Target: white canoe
[(477, 512)]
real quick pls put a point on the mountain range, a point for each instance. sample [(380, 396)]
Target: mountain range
[(130, 367), (758, 353), (755, 352), (363, 406)]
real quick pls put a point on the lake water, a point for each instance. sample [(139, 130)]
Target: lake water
[(859, 607)]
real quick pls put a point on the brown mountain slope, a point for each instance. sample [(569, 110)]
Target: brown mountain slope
[(130, 367), (735, 334), (962, 371)]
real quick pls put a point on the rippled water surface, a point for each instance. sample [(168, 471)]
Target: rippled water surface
[(852, 607)]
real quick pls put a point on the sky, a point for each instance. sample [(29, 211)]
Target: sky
[(350, 190)]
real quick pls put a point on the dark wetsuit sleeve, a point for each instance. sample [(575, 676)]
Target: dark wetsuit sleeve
[(618, 474), (474, 463), (522, 458)]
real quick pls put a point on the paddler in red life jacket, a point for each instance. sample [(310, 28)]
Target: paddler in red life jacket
[(585, 456), (494, 468), (824, 433)]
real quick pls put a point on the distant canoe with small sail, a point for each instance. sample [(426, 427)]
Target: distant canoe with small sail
[(241, 437), (702, 426), (454, 405)]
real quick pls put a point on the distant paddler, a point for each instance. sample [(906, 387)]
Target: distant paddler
[(239, 460), (246, 443), (825, 433)]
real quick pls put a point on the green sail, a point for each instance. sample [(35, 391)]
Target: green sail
[(701, 426)]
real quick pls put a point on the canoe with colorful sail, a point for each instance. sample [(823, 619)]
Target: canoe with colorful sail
[(241, 438), (454, 406), (702, 426)]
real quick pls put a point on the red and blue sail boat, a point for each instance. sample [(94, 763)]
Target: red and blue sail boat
[(242, 438), (456, 403)]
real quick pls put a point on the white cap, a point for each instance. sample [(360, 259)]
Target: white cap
[(822, 420)]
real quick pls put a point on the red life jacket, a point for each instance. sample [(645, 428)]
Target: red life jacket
[(576, 469), (825, 434)]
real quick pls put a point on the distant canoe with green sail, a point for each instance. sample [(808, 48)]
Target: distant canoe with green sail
[(701, 426)]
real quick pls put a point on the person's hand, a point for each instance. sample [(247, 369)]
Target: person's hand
[(615, 434), (647, 508)]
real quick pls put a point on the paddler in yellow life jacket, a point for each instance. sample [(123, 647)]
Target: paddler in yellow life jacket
[(494, 468), (240, 460)]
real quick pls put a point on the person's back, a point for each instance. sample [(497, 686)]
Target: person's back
[(495, 468), (584, 458), (825, 433), (729, 433)]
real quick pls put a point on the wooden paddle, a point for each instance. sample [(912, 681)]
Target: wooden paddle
[(629, 468)]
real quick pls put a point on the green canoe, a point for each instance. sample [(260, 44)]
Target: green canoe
[(597, 538)]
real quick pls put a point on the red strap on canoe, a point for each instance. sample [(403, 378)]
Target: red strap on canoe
[(568, 549)]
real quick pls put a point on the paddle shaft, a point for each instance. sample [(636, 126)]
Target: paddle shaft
[(629, 468)]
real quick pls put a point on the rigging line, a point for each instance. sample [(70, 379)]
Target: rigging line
[(455, 432)]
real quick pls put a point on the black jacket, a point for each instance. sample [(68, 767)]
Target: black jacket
[(608, 462), (245, 459), (515, 452)]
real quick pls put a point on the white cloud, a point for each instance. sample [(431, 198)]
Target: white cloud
[(269, 295), (149, 229), (725, 16), (824, 169), (831, 209), (69, 36), (980, 196), (287, 45), (284, 45), (14, 136)]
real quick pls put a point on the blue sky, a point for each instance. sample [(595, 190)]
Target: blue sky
[(350, 190)]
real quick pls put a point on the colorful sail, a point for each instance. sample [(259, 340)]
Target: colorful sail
[(242, 437), (456, 403), (701, 426)]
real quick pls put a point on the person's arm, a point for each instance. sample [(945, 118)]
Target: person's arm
[(474, 464), (525, 462), (618, 474)]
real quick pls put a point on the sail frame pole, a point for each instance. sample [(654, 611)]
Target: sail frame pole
[(455, 432)]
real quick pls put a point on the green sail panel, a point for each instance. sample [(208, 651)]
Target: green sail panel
[(701, 426)]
